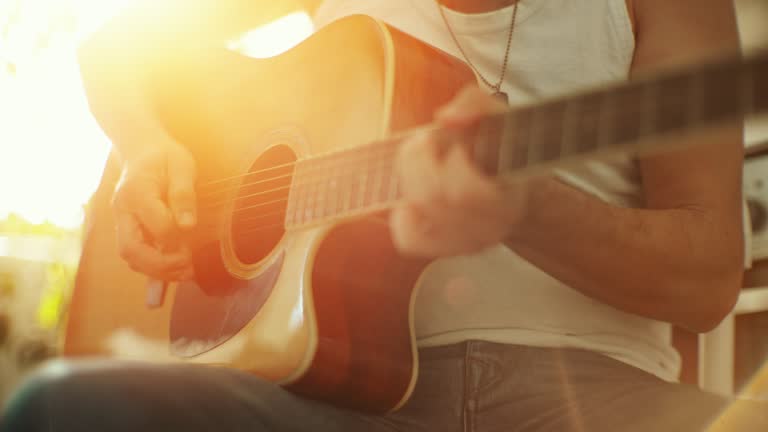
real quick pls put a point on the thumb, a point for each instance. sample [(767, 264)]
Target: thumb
[(181, 188), (470, 104)]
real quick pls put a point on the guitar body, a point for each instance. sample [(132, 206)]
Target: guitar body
[(327, 310)]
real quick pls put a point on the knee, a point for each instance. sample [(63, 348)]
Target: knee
[(36, 401)]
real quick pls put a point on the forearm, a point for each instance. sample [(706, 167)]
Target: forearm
[(155, 54), (122, 106), (125, 62), (680, 265)]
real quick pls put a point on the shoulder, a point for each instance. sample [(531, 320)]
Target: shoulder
[(683, 31)]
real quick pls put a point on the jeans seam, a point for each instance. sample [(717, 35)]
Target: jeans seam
[(467, 369), (467, 416)]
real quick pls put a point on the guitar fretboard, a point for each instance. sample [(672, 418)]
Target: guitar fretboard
[(623, 118)]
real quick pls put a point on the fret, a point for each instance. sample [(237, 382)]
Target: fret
[(310, 201), (506, 142), (672, 104), (588, 123), (548, 132), (721, 99), (323, 210), (479, 143), (366, 176), (632, 111), (695, 100), (346, 187), (313, 190), (306, 196), (377, 173), (364, 167), (397, 192), (385, 176), (393, 189), (354, 190), (521, 122), (321, 189), (301, 195), (329, 179), (355, 183), (606, 115), (389, 185), (333, 190), (649, 122), (290, 207), (533, 149), (309, 186), (569, 133), (311, 196), (486, 142)]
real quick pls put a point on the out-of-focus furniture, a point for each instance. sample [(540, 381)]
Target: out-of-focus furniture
[(716, 348)]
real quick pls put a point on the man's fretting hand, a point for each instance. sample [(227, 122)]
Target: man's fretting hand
[(154, 202), (450, 207)]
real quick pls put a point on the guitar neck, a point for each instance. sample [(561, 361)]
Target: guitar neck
[(629, 118)]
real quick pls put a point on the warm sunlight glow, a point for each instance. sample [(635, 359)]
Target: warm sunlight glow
[(51, 150), (275, 37)]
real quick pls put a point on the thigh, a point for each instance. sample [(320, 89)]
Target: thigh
[(131, 397), (538, 389)]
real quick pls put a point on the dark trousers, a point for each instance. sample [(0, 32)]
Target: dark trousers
[(472, 386)]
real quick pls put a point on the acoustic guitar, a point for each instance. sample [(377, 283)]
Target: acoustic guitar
[(296, 277)]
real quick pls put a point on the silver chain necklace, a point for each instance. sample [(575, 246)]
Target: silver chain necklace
[(495, 87)]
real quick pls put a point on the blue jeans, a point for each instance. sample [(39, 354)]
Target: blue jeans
[(471, 386)]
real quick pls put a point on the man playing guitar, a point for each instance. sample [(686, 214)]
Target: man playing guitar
[(552, 303)]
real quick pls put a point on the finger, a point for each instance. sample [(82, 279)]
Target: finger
[(181, 188), (470, 104), (412, 233), (463, 185), (144, 258), (418, 169), (140, 196)]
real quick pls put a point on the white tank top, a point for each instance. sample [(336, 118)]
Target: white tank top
[(559, 46)]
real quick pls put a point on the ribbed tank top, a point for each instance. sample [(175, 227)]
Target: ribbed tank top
[(559, 47)]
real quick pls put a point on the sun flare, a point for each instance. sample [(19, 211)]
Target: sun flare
[(51, 149)]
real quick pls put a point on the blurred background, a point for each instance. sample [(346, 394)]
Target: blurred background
[(52, 153)]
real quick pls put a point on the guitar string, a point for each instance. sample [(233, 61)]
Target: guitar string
[(309, 170), (378, 165), (205, 215), (293, 227), (387, 145), (317, 205), (203, 195), (751, 64), (385, 151), (391, 143)]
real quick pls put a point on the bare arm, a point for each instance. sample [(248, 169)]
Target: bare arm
[(678, 260), (137, 63), (152, 44), (681, 259)]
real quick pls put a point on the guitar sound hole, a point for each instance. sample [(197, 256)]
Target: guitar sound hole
[(259, 210)]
